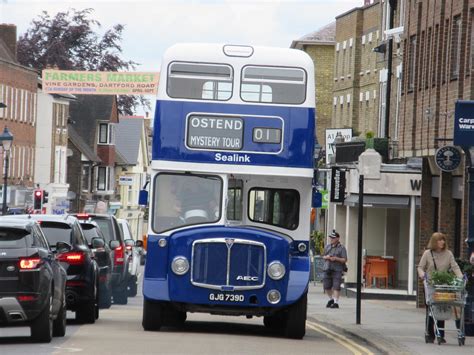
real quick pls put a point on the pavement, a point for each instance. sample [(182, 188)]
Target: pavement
[(391, 327)]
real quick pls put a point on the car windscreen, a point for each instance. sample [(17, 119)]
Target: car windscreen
[(12, 238), (56, 232), (106, 228)]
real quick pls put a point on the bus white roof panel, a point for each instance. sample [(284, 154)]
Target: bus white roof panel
[(214, 53)]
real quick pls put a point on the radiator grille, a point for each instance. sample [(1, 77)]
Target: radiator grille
[(228, 264)]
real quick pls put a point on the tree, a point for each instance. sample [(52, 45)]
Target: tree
[(69, 41)]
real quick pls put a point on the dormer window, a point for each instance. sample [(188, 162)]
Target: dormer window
[(106, 133)]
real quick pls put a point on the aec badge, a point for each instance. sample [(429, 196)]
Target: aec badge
[(448, 158)]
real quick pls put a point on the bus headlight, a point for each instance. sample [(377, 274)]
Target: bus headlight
[(162, 242), (302, 247), (273, 296), (276, 270), (180, 265)]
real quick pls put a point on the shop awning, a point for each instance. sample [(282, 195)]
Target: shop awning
[(381, 201)]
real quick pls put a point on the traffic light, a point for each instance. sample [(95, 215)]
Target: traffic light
[(38, 199), (45, 196)]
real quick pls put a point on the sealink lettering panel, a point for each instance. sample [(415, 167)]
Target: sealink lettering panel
[(268, 136)]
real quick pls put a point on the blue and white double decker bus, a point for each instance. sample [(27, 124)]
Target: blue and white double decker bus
[(230, 191)]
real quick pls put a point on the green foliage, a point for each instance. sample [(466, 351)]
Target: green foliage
[(468, 269), (317, 242), (369, 134), (443, 278), (74, 40)]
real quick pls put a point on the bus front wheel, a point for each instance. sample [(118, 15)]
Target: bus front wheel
[(152, 315), (295, 327)]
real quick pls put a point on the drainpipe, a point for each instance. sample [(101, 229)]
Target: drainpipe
[(411, 245), (392, 5)]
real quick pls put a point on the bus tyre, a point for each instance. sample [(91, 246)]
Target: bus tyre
[(152, 315), (172, 316), (42, 326), (274, 322), (295, 326)]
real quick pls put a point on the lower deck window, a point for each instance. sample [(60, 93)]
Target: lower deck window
[(277, 207)]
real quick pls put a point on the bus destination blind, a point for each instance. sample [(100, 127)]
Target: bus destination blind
[(232, 133)]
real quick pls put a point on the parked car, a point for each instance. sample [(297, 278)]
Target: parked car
[(32, 281), (133, 257), (103, 257), (114, 238), (65, 237)]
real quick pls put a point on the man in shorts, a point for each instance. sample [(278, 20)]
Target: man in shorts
[(335, 258)]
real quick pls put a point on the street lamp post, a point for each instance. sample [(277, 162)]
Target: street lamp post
[(6, 138)]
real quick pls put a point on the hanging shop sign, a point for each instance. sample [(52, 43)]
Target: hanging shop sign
[(338, 185), (448, 158)]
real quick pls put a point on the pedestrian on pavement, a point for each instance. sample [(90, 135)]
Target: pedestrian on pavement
[(437, 257), (335, 258)]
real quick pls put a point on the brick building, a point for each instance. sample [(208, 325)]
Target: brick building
[(437, 70), (18, 91), (356, 69), (320, 47)]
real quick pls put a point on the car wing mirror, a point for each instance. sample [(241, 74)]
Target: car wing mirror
[(114, 244), (63, 247), (129, 242), (97, 243), (139, 243)]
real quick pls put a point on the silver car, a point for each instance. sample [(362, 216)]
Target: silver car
[(133, 255)]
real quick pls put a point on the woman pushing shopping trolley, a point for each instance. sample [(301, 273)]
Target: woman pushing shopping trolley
[(445, 294)]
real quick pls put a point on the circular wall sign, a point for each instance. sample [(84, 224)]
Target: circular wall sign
[(448, 158)]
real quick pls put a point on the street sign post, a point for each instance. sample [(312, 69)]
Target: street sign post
[(464, 137)]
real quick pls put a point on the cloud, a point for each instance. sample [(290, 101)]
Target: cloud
[(153, 25)]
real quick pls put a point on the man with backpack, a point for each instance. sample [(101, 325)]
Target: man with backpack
[(335, 257)]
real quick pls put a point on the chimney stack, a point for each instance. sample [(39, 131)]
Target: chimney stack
[(8, 35)]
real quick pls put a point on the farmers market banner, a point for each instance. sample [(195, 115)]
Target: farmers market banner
[(100, 83)]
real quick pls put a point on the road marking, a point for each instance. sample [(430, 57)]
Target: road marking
[(355, 348), (63, 349)]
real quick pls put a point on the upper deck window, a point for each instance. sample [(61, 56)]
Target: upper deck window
[(273, 85), (200, 81)]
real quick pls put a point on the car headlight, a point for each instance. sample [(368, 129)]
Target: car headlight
[(276, 270), (180, 265)]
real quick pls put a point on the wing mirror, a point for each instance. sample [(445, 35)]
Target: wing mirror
[(129, 242), (97, 243), (114, 244), (139, 243), (62, 247), (143, 198)]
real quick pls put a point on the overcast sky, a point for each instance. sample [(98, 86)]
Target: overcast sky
[(153, 25)]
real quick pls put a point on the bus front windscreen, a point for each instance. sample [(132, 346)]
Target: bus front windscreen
[(183, 199)]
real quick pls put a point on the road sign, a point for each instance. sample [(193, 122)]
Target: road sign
[(464, 123), (331, 135)]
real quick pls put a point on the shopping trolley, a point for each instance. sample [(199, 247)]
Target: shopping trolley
[(444, 302)]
